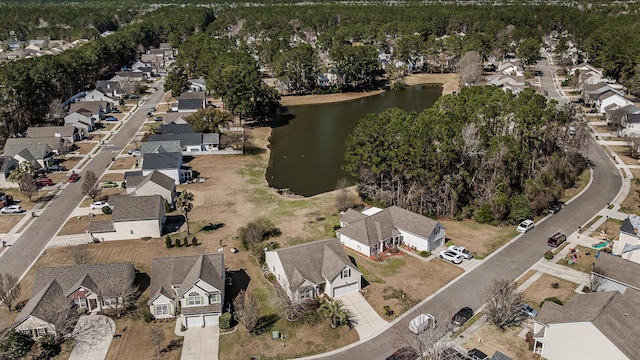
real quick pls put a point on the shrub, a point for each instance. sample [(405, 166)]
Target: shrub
[(147, 317), (123, 185), (194, 241), (185, 242), (106, 210), (178, 242), (555, 285), (271, 278), (224, 321), (552, 299), (168, 242), (424, 253), (530, 340), (387, 310), (484, 215), (548, 255)]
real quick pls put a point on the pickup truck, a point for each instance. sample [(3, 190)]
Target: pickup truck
[(460, 250)]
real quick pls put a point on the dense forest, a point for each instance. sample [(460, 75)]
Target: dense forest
[(482, 153)]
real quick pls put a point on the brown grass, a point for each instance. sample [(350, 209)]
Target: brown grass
[(584, 262), (490, 338), (78, 225), (624, 154), (135, 342), (541, 289), (482, 239), (71, 161), (609, 230), (525, 277), (392, 274), (84, 147), (123, 163), (631, 203), (450, 82), (148, 127), (115, 177), (8, 221)]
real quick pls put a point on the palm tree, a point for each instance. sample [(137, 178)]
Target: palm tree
[(334, 310), (184, 203)]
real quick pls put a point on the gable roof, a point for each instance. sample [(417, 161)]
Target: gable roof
[(618, 269), (92, 276), (190, 104), (211, 138), (184, 138), (184, 271), (51, 131), (160, 146), (93, 106), (385, 224), (37, 148), (155, 177), (173, 128), (315, 261), (41, 302), (613, 313), (163, 160), (350, 216), (132, 208), (630, 225)]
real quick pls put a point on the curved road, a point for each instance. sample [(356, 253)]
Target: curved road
[(510, 261), (19, 257)]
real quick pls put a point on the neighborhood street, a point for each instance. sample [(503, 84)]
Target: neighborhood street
[(18, 258)]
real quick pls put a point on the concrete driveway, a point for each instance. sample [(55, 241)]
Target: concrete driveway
[(201, 343), (93, 337), (367, 320)]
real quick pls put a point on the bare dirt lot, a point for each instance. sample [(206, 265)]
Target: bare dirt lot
[(123, 163)]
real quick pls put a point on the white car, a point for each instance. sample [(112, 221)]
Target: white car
[(460, 250), (99, 205), (450, 256), (525, 226), (11, 209), (421, 323)]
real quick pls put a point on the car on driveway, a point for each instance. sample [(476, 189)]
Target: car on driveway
[(555, 207), (109, 184), (462, 316), (525, 226), (44, 182), (116, 111), (158, 118), (57, 167), (450, 256), (460, 250), (528, 310), (11, 209), (405, 353), (149, 114), (98, 205)]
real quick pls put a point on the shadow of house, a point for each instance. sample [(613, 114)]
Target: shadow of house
[(142, 281), (239, 281)]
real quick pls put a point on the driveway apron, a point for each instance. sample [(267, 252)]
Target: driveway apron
[(367, 321), (93, 334), (201, 343)]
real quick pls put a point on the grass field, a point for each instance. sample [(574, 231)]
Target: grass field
[(542, 289), (490, 338), (482, 239), (123, 163)]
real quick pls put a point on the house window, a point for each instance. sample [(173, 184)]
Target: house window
[(110, 301), (215, 298), (194, 299), (162, 309), (305, 294), (81, 302), (41, 332), (346, 273), (25, 332)]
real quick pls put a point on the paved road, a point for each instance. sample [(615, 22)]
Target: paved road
[(27, 248), (547, 82)]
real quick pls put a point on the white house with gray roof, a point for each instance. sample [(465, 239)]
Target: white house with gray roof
[(629, 239), (600, 325), (372, 234), (91, 287), (309, 270), (192, 286), (133, 217), (155, 183), (165, 157), (38, 153), (615, 273)]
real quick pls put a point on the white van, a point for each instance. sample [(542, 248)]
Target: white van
[(421, 322)]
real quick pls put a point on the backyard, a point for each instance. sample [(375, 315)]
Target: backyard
[(490, 338)]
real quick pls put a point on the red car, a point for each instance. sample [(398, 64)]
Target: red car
[(44, 182), (74, 177)]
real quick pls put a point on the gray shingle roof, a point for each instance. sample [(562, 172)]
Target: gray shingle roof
[(199, 95), (41, 301), (184, 271), (184, 138), (313, 261), (350, 216), (173, 128), (619, 269), (155, 177), (51, 131), (160, 146), (132, 208), (164, 160), (190, 104), (211, 138), (38, 148), (70, 277), (93, 106)]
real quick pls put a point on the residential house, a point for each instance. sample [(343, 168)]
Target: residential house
[(70, 134), (191, 287), (615, 273), (197, 85), (133, 217), (39, 154), (191, 143), (91, 287), (81, 119), (98, 95), (503, 80), (371, 233), (155, 183), (166, 157), (611, 99), (631, 124), (110, 88), (175, 128), (97, 109), (600, 325), (510, 68), (313, 269), (590, 93), (628, 239), (7, 164), (191, 101), (585, 68)]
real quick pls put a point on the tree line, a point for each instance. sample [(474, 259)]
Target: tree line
[(481, 153)]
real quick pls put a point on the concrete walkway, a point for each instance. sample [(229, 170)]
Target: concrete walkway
[(367, 321), (94, 334), (201, 343)]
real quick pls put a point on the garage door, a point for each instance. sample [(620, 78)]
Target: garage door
[(194, 321), (345, 289), (211, 320)]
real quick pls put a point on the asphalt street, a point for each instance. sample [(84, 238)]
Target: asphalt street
[(18, 258)]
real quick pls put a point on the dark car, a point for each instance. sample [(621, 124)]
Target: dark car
[(475, 354), (405, 353), (453, 354), (462, 316), (149, 114), (556, 239), (158, 118), (116, 111), (555, 207), (57, 167)]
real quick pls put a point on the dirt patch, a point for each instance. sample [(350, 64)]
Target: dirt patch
[(71, 162), (390, 280), (80, 224), (482, 239), (84, 147), (8, 221), (543, 288), (135, 340), (489, 339), (115, 177), (123, 163), (631, 203), (450, 82), (294, 100)]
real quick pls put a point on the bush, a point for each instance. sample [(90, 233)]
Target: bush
[(106, 210), (147, 317), (224, 321), (123, 185), (484, 215), (194, 241), (16, 345), (168, 241), (424, 253), (178, 242), (185, 242), (530, 340), (552, 299), (555, 285), (387, 310), (519, 209), (271, 278), (548, 255)]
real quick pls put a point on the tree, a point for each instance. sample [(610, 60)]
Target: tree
[(176, 81), (90, 186), (432, 341), (246, 310), (334, 310), (529, 51), (118, 292), (209, 120), (9, 289), (156, 335), (185, 204), (23, 175), (62, 314), (357, 65), (596, 281), (470, 68), (293, 310), (344, 198), (502, 303), (79, 254), (15, 346), (297, 68)]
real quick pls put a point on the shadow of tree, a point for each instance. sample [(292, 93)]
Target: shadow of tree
[(265, 323), (212, 227)]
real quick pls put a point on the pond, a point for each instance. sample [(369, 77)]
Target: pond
[(308, 142)]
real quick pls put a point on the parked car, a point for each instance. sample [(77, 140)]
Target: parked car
[(453, 354), (74, 177), (116, 111), (556, 239), (460, 250), (57, 167), (421, 323), (109, 184), (153, 108), (525, 226), (158, 118), (462, 316), (528, 310), (405, 353), (149, 114), (44, 182), (475, 354), (98, 205), (11, 209), (555, 207), (135, 152), (111, 118), (134, 96), (131, 151), (450, 256)]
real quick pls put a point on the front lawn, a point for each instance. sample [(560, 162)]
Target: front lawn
[(481, 239), (584, 260), (124, 163), (490, 338), (631, 203), (545, 287)]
